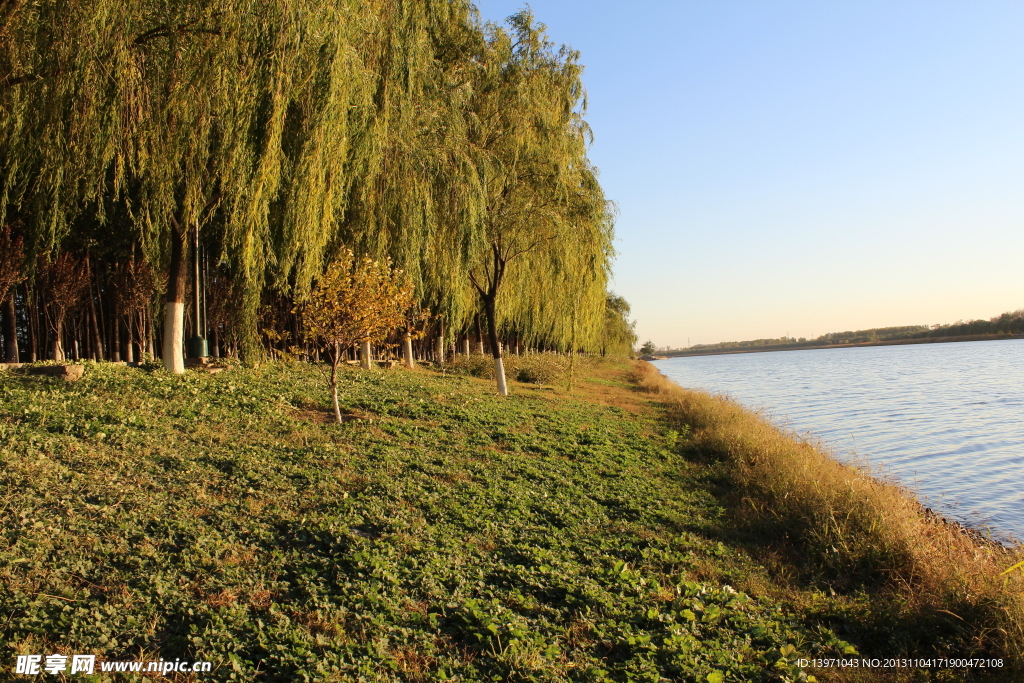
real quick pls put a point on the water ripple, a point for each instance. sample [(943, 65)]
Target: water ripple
[(945, 420)]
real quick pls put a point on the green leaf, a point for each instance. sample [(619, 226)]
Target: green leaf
[(1010, 569)]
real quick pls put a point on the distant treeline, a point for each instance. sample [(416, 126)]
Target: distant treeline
[(1011, 322)]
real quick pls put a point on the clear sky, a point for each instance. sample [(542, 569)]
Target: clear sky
[(804, 167)]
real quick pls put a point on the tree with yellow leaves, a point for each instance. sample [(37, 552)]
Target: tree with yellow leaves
[(357, 300)]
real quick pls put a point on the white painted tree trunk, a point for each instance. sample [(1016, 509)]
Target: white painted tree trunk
[(149, 337), (440, 350), (174, 337), (365, 355), (499, 373), (58, 343), (480, 346), (335, 361), (410, 362), (465, 346), (334, 401)]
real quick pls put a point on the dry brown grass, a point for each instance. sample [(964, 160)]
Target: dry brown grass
[(839, 525)]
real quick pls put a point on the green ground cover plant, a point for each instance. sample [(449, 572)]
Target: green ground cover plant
[(441, 533), (453, 535)]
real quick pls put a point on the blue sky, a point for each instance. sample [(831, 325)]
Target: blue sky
[(804, 167)]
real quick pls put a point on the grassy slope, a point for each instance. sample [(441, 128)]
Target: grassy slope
[(455, 536)]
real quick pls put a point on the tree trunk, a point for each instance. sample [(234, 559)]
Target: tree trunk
[(113, 333), (97, 341), (174, 304), (335, 359), (150, 334), (365, 355), (440, 342), (492, 335), (106, 349), (141, 346), (32, 318), (197, 286), (125, 332), (58, 342), (10, 329), (479, 335), (407, 351), (465, 345)]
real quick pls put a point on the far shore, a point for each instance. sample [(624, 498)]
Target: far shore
[(804, 346)]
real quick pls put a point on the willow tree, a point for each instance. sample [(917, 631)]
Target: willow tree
[(544, 221), (232, 113), (12, 256), (51, 160), (271, 131), (618, 333), (137, 77), (255, 120), (362, 142), (562, 288), (416, 196)]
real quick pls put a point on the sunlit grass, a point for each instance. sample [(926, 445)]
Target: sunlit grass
[(601, 533), (451, 534)]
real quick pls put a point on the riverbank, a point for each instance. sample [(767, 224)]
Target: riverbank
[(828, 524), (808, 346), (615, 533)]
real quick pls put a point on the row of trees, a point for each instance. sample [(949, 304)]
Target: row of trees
[(191, 169), (1011, 322)]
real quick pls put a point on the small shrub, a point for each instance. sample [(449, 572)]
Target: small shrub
[(539, 368), (536, 368), (473, 366)]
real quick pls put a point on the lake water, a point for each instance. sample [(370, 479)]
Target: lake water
[(944, 420)]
